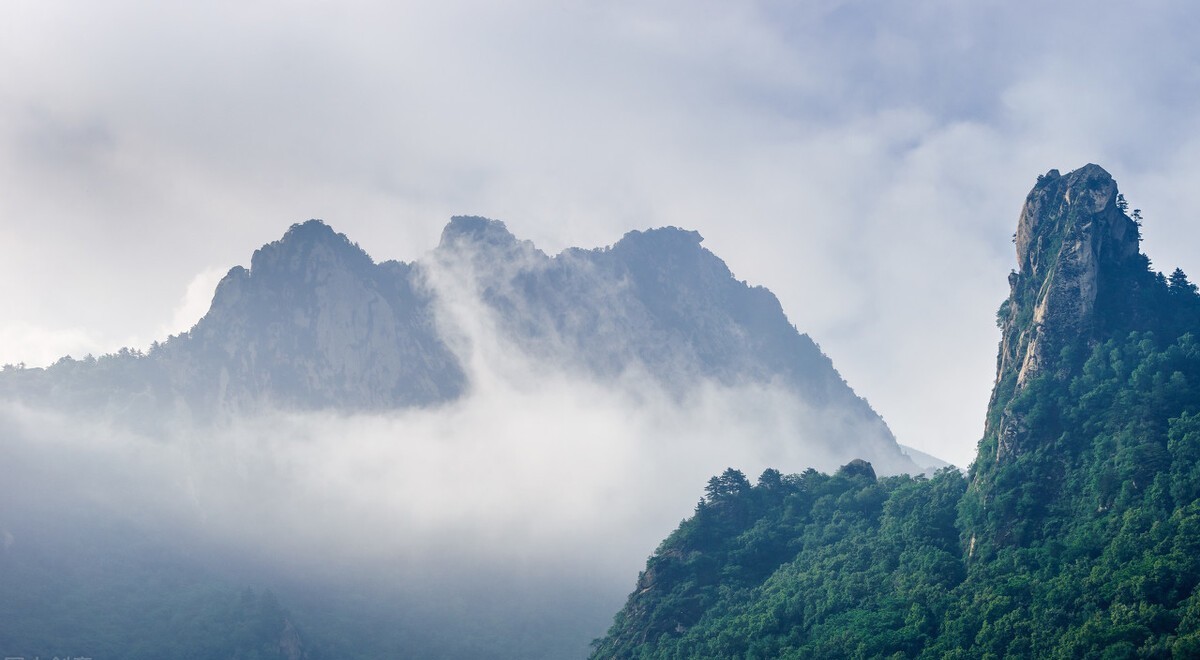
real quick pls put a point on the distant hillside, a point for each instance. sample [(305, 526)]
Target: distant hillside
[(1076, 533), (315, 324), (444, 458), (928, 463)]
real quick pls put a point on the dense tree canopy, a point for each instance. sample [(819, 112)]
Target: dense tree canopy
[(1082, 542)]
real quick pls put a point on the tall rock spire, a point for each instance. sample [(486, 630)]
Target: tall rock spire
[(1072, 240), (1080, 280)]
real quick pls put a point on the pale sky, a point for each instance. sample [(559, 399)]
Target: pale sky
[(866, 161)]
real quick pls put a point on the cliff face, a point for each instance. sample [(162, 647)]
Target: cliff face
[(1072, 239), (655, 305), (315, 323), (1081, 283)]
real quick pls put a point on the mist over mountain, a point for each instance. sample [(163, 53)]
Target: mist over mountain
[(316, 324), (1073, 535), (469, 451)]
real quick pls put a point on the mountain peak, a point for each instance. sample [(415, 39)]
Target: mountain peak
[(312, 229), (313, 323), (660, 248), (1081, 202), (473, 229), (1074, 246), (663, 236), (305, 248)]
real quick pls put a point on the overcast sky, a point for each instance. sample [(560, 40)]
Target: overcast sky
[(866, 161)]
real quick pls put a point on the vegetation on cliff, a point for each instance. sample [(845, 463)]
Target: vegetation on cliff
[(1076, 533)]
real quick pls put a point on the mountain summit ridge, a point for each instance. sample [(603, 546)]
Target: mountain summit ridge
[(315, 323)]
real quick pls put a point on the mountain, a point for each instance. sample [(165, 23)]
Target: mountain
[(1080, 272), (930, 464), (442, 458), (315, 324), (1076, 532), (1083, 290)]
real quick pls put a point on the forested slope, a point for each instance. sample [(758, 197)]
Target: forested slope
[(1076, 532)]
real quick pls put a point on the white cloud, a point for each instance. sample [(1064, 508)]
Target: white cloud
[(195, 303), (39, 346), (142, 143)]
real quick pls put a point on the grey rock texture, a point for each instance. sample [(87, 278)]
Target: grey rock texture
[(655, 299), (315, 323), (1071, 240)]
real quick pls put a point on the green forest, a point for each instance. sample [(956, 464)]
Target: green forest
[(1092, 545), (1075, 533)]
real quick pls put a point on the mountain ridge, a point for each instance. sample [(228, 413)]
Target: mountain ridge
[(315, 323)]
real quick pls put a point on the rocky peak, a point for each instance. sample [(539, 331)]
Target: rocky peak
[(486, 245), (657, 253), (1071, 240), (305, 249), (1083, 200), (672, 237), (314, 322), (309, 255), (475, 230)]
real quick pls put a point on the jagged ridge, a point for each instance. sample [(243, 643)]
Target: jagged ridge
[(315, 323)]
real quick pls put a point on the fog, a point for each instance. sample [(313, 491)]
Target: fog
[(536, 496), (864, 160), (514, 499), (553, 469)]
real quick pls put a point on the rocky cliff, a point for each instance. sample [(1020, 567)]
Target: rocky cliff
[(1082, 293), (314, 322), (1072, 241)]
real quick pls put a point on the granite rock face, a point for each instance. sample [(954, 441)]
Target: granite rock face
[(316, 323), (1071, 238)]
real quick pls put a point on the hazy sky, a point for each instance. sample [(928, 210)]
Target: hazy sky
[(866, 161)]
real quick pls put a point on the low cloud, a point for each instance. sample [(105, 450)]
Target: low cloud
[(35, 345), (195, 302), (542, 468), (544, 482)]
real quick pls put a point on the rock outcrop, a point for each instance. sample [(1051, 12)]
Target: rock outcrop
[(316, 323), (1071, 240)]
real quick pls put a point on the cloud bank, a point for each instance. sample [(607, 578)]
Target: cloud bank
[(865, 161), (536, 495)]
